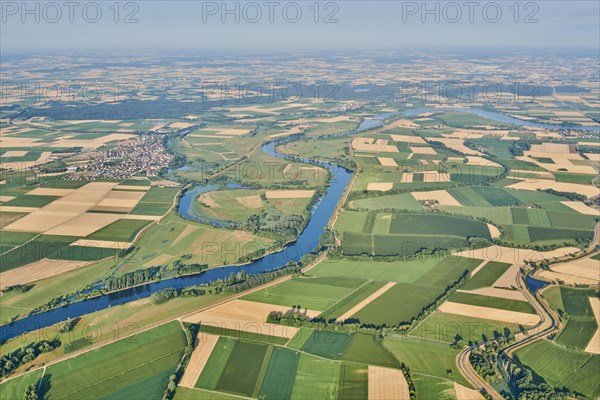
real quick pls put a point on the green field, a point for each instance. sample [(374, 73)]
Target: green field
[(345, 304), (367, 349), (404, 201), (426, 357), (426, 224), (492, 302), (281, 373), (486, 276), (562, 367), (581, 323), (31, 201), (327, 344), (156, 201), (433, 388), (242, 368), (312, 293), (445, 327), (209, 378), (317, 379), (122, 230), (385, 310), (355, 382), (120, 369), (406, 271), (15, 388)]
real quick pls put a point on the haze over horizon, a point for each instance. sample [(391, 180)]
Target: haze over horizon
[(340, 25)]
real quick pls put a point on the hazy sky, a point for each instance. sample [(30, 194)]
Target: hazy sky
[(360, 25)]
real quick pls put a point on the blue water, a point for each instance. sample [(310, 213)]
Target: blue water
[(502, 118), (534, 284)]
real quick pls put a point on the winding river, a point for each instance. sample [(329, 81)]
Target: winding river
[(306, 242)]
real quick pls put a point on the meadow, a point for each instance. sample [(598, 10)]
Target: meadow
[(563, 367), (119, 369)]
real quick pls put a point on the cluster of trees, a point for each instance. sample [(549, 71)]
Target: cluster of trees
[(18, 288), (412, 390), (246, 282), (13, 360), (162, 296), (569, 195), (140, 276), (293, 317), (77, 344), (30, 393)]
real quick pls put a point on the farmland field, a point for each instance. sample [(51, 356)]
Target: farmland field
[(120, 369), (240, 373), (123, 230), (366, 348), (354, 381), (486, 276), (317, 379), (492, 302), (426, 357), (327, 344), (560, 367), (281, 372), (314, 294)]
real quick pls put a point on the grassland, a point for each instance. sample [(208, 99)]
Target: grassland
[(354, 382), (120, 369), (581, 323), (423, 291), (312, 293), (317, 379), (444, 327), (240, 373), (367, 349), (486, 276), (492, 302), (426, 357), (123, 230), (563, 367), (281, 373), (15, 388)]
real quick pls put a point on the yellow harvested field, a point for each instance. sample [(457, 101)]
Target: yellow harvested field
[(381, 186), (509, 278), (582, 208), (84, 224), (535, 184), (250, 201), (595, 157), (594, 344), (123, 200), (423, 150), (476, 160), (558, 148), (17, 209), (496, 314), (478, 268), (366, 301), (499, 293), (585, 267), (289, 194), (6, 198), (181, 125), (435, 176), (408, 139), (109, 244), (63, 209), (494, 231), (387, 162), (339, 118), (205, 344), (14, 153), (552, 276), (514, 255), (407, 177), (387, 384), (373, 146), (464, 393), (458, 145), (246, 316), (41, 269), (42, 191), (442, 196)]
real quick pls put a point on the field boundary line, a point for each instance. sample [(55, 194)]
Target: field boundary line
[(348, 295)]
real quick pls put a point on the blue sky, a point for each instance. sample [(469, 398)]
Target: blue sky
[(361, 25)]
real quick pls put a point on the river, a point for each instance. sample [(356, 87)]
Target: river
[(306, 242)]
